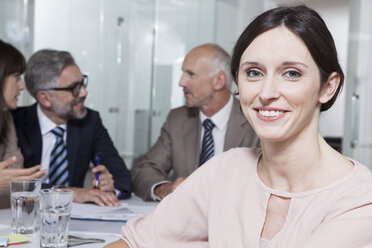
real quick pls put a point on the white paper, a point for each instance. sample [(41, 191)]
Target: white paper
[(95, 212)]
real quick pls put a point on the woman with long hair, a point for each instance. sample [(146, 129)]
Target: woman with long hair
[(12, 66)]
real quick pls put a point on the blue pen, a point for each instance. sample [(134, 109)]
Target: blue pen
[(98, 161)]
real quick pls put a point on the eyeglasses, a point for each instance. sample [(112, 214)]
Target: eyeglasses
[(75, 88)]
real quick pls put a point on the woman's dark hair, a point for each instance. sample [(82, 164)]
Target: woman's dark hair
[(307, 25), (11, 61)]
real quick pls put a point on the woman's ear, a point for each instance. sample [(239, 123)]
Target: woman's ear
[(329, 88)]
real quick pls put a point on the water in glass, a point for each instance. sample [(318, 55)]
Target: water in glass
[(54, 228), (24, 207)]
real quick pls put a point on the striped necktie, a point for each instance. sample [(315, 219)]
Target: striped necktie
[(58, 171), (208, 144)]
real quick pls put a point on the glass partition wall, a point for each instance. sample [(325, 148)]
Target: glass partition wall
[(132, 51), (179, 26), (358, 120), (16, 27)]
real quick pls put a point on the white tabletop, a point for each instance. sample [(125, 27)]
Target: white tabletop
[(107, 230)]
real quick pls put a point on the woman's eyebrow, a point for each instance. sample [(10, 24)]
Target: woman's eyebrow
[(286, 63), (249, 63)]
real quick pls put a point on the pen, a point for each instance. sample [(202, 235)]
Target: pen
[(98, 161)]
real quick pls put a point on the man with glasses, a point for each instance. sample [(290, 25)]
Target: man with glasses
[(64, 136)]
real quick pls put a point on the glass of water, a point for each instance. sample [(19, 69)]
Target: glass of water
[(24, 198), (55, 211)]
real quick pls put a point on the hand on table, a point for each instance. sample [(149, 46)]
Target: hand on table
[(165, 189), (99, 197), (106, 183), (7, 174)]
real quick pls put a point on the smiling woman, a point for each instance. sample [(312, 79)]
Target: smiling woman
[(296, 191), (280, 87)]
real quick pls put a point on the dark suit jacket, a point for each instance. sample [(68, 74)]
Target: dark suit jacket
[(85, 139), (178, 147)]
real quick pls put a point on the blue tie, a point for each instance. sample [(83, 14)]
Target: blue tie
[(58, 171), (208, 144)]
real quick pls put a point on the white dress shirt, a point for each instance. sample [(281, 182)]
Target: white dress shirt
[(220, 120), (48, 139)]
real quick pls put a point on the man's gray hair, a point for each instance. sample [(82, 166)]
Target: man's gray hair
[(44, 68), (221, 62)]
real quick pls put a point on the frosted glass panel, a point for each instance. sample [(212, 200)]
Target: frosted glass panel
[(181, 25), (358, 121), (16, 26), (112, 42), (16, 20)]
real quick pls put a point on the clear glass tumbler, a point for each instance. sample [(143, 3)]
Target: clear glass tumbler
[(24, 198), (55, 211)]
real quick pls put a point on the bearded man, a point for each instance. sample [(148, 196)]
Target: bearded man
[(64, 136)]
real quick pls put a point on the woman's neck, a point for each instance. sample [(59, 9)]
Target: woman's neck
[(301, 164)]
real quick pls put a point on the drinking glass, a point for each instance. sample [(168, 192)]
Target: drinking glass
[(24, 198), (55, 211)]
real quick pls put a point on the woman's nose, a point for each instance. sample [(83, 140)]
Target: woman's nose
[(269, 90), (21, 85)]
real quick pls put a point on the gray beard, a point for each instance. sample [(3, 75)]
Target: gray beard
[(67, 112)]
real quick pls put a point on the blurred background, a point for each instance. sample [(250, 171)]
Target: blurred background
[(133, 50)]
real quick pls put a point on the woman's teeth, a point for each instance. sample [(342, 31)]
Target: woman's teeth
[(270, 113)]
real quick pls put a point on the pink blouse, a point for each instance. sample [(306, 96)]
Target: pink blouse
[(223, 204)]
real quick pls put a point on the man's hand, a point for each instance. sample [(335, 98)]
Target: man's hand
[(99, 197), (106, 183), (177, 182), (117, 244), (7, 174), (165, 189)]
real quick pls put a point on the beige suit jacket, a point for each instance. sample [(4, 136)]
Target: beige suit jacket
[(7, 150), (177, 150)]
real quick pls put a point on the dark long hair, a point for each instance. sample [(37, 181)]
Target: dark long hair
[(11, 61), (308, 26)]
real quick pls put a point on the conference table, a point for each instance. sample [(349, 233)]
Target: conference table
[(107, 230)]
